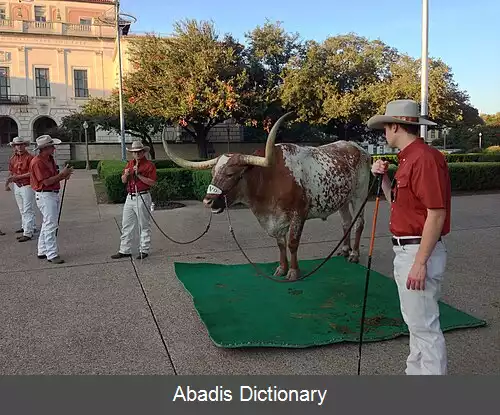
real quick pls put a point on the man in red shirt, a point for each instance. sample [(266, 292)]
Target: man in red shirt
[(139, 175), (45, 181), (420, 216), (19, 181)]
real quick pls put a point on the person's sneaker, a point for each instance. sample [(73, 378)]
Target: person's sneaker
[(1, 233), (20, 230), (24, 238), (56, 260), (120, 255), (42, 256), (142, 256)]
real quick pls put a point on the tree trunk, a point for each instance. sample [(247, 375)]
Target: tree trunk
[(148, 141), (201, 142)]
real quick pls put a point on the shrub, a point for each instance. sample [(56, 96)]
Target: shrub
[(492, 149), (450, 158), (466, 176), (184, 184), (201, 180)]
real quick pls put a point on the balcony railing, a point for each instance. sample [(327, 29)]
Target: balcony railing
[(56, 28), (14, 100)]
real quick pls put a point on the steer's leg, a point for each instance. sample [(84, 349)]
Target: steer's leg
[(346, 216), (283, 266), (296, 227), (358, 230)]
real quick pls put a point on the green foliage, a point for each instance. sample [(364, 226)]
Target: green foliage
[(201, 180), (450, 158), (182, 184)]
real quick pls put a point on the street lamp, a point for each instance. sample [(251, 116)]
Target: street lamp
[(480, 139), (85, 127), (424, 82)]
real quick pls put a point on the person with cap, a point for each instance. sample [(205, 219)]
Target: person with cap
[(139, 175), (19, 177), (420, 216), (45, 180)]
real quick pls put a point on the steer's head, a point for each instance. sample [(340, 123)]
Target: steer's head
[(228, 171)]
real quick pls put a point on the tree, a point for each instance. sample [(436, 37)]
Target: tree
[(270, 51), (491, 119), (104, 113), (346, 79), (193, 78)]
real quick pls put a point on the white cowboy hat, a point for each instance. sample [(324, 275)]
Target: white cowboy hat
[(138, 146), (46, 141), (400, 111), (19, 140)]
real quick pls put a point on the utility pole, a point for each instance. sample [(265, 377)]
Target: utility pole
[(424, 80)]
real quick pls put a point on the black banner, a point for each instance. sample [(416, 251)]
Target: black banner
[(249, 395)]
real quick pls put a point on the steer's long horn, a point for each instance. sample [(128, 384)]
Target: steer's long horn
[(268, 158), (194, 165)]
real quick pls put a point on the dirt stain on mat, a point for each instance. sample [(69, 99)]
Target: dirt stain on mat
[(314, 316), (328, 303), (219, 285), (379, 321), (295, 292)]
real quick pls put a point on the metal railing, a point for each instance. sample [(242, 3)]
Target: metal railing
[(14, 99), (56, 28)]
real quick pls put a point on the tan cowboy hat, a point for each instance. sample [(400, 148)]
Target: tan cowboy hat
[(138, 146), (19, 140), (46, 141), (400, 111)]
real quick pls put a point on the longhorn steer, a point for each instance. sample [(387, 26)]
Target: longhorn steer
[(289, 185)]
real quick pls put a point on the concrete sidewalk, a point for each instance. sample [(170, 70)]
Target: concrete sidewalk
[(93, 315)]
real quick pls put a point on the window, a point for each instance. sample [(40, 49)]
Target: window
[(42, 82), (85, 21), (3, 12), (81, 83), (4, 82), (40, 14)]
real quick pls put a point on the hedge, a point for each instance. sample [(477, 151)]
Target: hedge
[(451, 158), (182, 184)]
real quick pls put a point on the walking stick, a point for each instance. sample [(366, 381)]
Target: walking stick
[(61, 205), (368, 269)]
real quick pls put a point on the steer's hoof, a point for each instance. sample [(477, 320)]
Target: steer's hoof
[(354, 257), (293, 275), (280, 271), (345, 252)]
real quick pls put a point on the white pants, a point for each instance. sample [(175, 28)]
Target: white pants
[(25, 198), (133, 219), (48, 203), (420, 310)]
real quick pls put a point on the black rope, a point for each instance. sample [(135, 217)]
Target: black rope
[(168, 237), (262, 274)]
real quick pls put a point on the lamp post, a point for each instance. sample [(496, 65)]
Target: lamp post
[(480, 140), (85, 128), (120, 79), (424, 80)]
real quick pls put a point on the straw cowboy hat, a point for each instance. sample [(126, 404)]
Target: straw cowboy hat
[(19, 140), (401, 111), (46, 141), (138, 146)]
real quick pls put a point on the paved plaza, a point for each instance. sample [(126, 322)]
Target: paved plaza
[(93, 315)]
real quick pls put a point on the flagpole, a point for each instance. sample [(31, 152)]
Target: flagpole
[(424, 80)]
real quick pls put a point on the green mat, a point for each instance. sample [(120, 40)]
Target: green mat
[(242, 309)]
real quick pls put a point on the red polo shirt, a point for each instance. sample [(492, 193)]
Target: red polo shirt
[(41, 169), (421, 182), (20, 164), (146, 168)]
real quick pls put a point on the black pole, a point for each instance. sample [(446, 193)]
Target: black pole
[(368, 269), (61, 205)]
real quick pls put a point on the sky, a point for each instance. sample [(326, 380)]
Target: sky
[(464, 34)]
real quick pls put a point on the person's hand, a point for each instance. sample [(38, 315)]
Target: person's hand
[(416, 277), (380, 167), (67, 171), (126, 172)]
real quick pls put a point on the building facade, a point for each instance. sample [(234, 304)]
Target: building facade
[(54, 55)]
